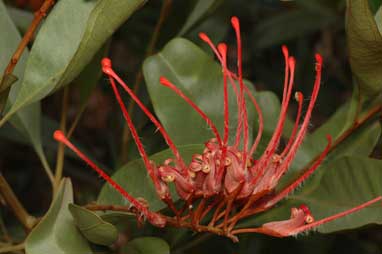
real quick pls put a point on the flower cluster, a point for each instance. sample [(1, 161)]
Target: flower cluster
[(225, 183)]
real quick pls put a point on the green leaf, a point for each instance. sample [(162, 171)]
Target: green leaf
[(365, 46), (346, 183), (200, 9), (147, 245), (362, 142), (28, 120), (56, 233), (343, 184), (200, 78), (93, 227), (64, 45), (134, 179), (290, 25), (89, 76)]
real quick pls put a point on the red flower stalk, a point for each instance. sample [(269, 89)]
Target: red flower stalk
[(226, 176)]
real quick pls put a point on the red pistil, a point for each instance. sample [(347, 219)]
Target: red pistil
[(222, 177), (299, 180), (60, 137), (223, 52), (109, 71), (142, 152), (300, 98), (170, 85), (300, 136), (243, 109)]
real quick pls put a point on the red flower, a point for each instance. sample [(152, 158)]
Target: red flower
[(226, 176)]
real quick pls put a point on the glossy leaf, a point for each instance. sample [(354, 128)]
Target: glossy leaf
[(344, 183), (289, 25), (347, 182), (335, 126), (365, 46), (200, 78), (93, 227), (56, 232), (147, 245), (360, 143), (89, 76), (134, 179), (28, 120), (65, 45), (200, 9)]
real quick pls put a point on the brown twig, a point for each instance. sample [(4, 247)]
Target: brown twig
[(22, 215), (12, 248), (166, 6), (38, 16)]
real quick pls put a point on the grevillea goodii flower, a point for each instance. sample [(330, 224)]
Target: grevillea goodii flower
[(225, 183)]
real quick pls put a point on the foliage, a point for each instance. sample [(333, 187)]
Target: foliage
[(56, 84)]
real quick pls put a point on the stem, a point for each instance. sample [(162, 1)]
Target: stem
[(138, 78), (357, 123), (38, 16), (12, 248), (61, 147), (77, 119), (22, 215), (46, 167)]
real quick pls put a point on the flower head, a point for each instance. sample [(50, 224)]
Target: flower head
[(225, 176)]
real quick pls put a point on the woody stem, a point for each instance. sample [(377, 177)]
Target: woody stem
[(166, 6), (38, 16), (22, 215), (170, 220), (61, 147)]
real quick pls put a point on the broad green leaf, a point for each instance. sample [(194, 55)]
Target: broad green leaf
[(345, 183), (147, 245), (200, 78), (335, 126), (121, 220), (28, 120), (278, 29), (200, 9), (93, 227), (56, 232), (65, 44), (89, 76), (360, 143), (365, 46), (134, 179)]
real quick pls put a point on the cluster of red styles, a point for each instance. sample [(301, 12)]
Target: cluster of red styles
[(225, 184)]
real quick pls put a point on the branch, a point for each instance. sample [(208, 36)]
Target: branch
[(12, 248), (22, 215), (38, 16)]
